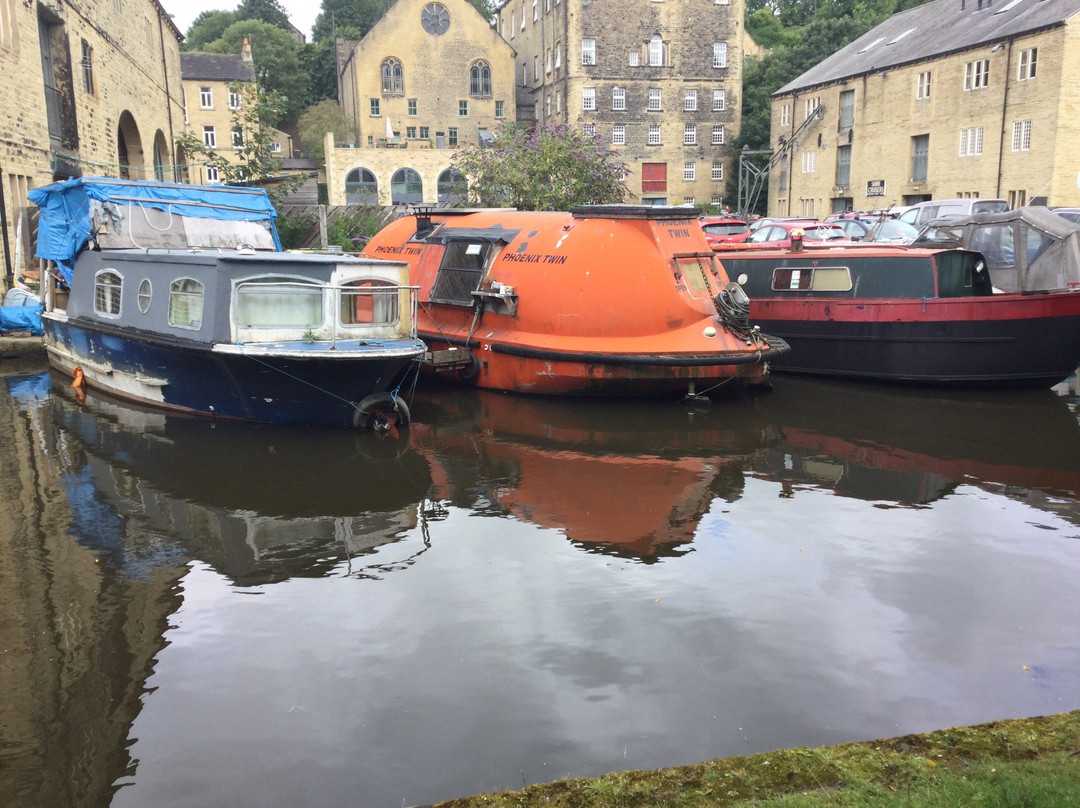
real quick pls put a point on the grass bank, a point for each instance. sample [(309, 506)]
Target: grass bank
[(1023, 763)]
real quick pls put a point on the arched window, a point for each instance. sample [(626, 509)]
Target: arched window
[(186, 303), (108, 288), (406, 187), (393, 77), (361, 188), (656, 50), (452, 186), (480, 80)]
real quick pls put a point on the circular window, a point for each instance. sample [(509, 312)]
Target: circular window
[(145, 293), (435, 18)]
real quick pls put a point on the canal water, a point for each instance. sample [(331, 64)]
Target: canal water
[(513, 591)]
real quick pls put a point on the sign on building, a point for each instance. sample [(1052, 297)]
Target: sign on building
[(875, 187)]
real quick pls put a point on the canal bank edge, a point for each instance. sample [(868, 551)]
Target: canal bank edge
[(17, 345), (894, 764)]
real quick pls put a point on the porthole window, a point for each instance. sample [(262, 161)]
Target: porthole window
[(145, 293), (107, 290)]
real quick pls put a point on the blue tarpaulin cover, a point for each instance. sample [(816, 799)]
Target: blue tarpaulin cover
[(65, 223), (21, 318)]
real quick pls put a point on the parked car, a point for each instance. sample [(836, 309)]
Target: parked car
[(922, 212), (757, 224), (778, 234), (1072, 214), (724, 229), (885, 230)]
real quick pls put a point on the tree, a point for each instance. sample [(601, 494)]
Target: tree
[(316, 121), (359, 14), (266, 10), (554, 167), (254, 158), (206, 28), (277, 60)]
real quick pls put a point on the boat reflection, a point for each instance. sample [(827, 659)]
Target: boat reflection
[(259, 503)]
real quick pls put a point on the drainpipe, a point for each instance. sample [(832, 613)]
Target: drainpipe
[(168, 101), (1004, 112), (9, 276)]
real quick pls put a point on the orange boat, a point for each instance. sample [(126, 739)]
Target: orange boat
[(600, 301)]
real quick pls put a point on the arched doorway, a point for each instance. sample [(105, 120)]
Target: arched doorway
[(129, 148), (406, 187), (452, 186), (161, 155), (361, 188)]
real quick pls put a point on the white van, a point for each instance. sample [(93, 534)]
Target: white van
[(922, 212)]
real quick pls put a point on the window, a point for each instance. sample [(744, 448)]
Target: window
[(536, 11), (425, 132), (843, 165), (588, 51), (410, 132), (588, 98), (718, 135), (237, 137), (558, 101), (785, 114), (461, 271), (654, 99), (87, 63), (547, 106), (463, 109), (689, 137), (235, 99), (618, 98), (810, 105), (1021, 140), (451, 186), (393, 77), (689, 200), (558, 55), (108, 286), (209, 137), (547, 62), (536, 68), (275, 147), (588, 129), (260, 303), (826, 279), (145, 295), (690, 101), (618, 134), (971, 141), (1029, 60), (206, 97), (719, 100), (412, 107), (452, 136), (406, 187), (480, 80), (1017, 199), (186, 303), (717, 171), (635, 58), (920, 153), (373, 108), (976, 74), (522, 15), (500, 109), (922, 87), (656, 51), (809, 162), (212, 175), (369, 302), (361, 188), (689, 171), (847, 109), (654, 134), (719, 54)]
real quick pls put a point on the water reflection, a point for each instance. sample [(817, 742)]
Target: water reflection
[(542, 586)]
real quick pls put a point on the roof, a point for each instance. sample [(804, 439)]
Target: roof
[(216, 67), (934, 30)]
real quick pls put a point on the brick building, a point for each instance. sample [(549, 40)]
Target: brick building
[(216, 88), (660, 80), (89, 88), (428, 78), (956, 98)]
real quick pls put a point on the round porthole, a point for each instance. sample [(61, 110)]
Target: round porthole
[(145, 293)]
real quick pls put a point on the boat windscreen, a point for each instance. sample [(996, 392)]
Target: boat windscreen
[(461, 272), (962, 274)]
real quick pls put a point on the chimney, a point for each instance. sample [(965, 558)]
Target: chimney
[(245, 51)]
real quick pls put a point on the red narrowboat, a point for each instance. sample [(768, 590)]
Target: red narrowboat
[(598, 301), (905, 314)]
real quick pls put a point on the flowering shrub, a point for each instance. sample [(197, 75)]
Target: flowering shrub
[(552, 167)]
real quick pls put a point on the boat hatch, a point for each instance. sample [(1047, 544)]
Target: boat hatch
[(461, 271), (812, 279), (694, 271)]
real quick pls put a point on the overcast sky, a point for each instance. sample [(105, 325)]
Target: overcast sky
[(302, 13)]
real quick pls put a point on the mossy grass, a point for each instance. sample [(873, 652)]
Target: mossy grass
[(1021, 763)]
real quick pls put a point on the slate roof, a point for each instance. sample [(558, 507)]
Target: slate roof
[(219, 67), (934, 30)]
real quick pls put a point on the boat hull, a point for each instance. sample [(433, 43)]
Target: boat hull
[(1011, 339), (291, 383)]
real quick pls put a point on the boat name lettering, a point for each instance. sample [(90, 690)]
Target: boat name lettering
[(399, 250), (525, 258), (679, 232)]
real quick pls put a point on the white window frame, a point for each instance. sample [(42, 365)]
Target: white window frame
[(656, 51), (689, 171), (922, 86), (690, 101), (1021, 138), (719, 100), (588, 51), (977, 75), (588, 99), (1028, 64), (719, 54), (809, 162), (206, 97), (618, 134), (718, 135), (717, 171), (618, 98), (654, 134), (689, 136), (656, 99), (634, 58), (209, 137), (971, 141), (235, 100), (785, 114)]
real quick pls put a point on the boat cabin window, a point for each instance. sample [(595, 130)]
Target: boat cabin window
[(146, 292), (369, 302), (962, 274), (996, 243), (460, 273), (186, 303), (693, 270), (107, 288), (269, 302), (811, 279)]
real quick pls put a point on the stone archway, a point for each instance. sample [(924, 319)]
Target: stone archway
[(162, 165), (129, 148)]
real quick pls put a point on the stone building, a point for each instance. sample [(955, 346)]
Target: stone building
[(660, 80), (956, 98), (89, 88), (216, 88), (428, 78)]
